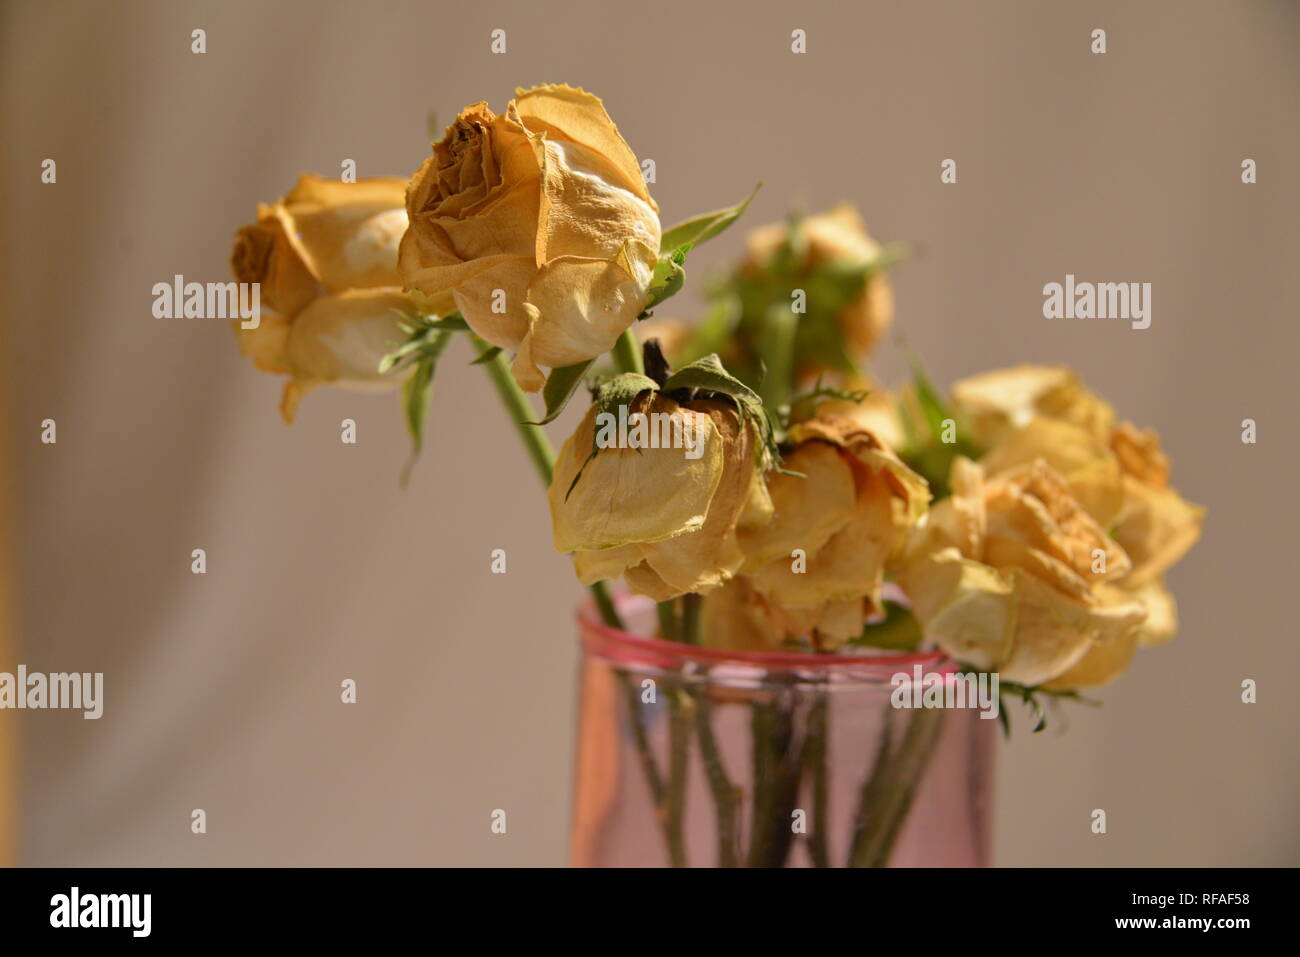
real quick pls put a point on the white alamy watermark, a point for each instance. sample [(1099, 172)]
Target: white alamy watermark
[(179, 299), (649, 430), (934, 689), (35, 690), (75, 909), (1098, 300)]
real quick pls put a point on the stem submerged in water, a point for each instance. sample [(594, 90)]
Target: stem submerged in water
[(890, 787)]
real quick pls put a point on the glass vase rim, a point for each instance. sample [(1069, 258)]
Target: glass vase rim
[(639, 646)]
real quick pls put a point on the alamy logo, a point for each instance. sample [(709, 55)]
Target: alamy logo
[(213, 300), (946, 690), (33, 690), (75, 909), (654, 430), (1102, 300)]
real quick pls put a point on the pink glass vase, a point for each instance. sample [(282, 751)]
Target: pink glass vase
[(690, 756)]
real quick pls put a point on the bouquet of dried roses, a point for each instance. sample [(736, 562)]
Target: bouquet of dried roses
[(813, 566)]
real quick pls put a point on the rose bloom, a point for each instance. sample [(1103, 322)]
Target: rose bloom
[(1013, 575), (1117, 472), (664, 522), (326, 258), (834, 237), (539, 224), (817, 568)]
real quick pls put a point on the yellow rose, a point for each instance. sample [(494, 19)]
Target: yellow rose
[(664, 521), (539, 224), (1156, 527), (1118, 473), (819, 564), (325, 257), (1009, 575), (999, 403), (834, 238)]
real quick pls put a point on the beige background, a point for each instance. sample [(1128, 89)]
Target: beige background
[(222, 690)]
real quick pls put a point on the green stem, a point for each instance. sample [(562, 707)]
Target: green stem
[(667, 611), (814, 754), (777, 768), (691, 619), (776, 345), (605, 604), (680, 707), (520, 412), (627, 353), (890, 787), (539, 449), (726, 796)]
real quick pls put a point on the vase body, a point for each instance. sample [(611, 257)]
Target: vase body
[(697, 757)]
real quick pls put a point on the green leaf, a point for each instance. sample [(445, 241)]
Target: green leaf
[(926, 452), (1030, 695), (702, 228), (559, 388), (709, 375), (487, 356), (932, 406), (415, 398), (623, 389), (667, 280), (424, 332), (452, 323), (899, 631)]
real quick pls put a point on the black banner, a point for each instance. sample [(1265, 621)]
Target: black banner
[(996, 908)]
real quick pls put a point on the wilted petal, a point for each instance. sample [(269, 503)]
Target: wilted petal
[(341, 339), (807, 509), (998, 403), (968, 608), (574, 115), (633, 495), (583, 305), (1156, 527), (1086, 462), (734, 618), (1032, 505), (1102, 662), (346, 234), (699, 562), (1140, 455)]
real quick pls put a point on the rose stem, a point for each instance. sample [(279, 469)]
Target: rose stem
[(691, 619), (627, 354), (814, 753), (777, 771), (539, 450), (542, 454), (726, 796), (890, 787)]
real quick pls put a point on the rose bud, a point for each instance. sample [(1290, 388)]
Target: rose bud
[(663, 520), (834, 244)]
